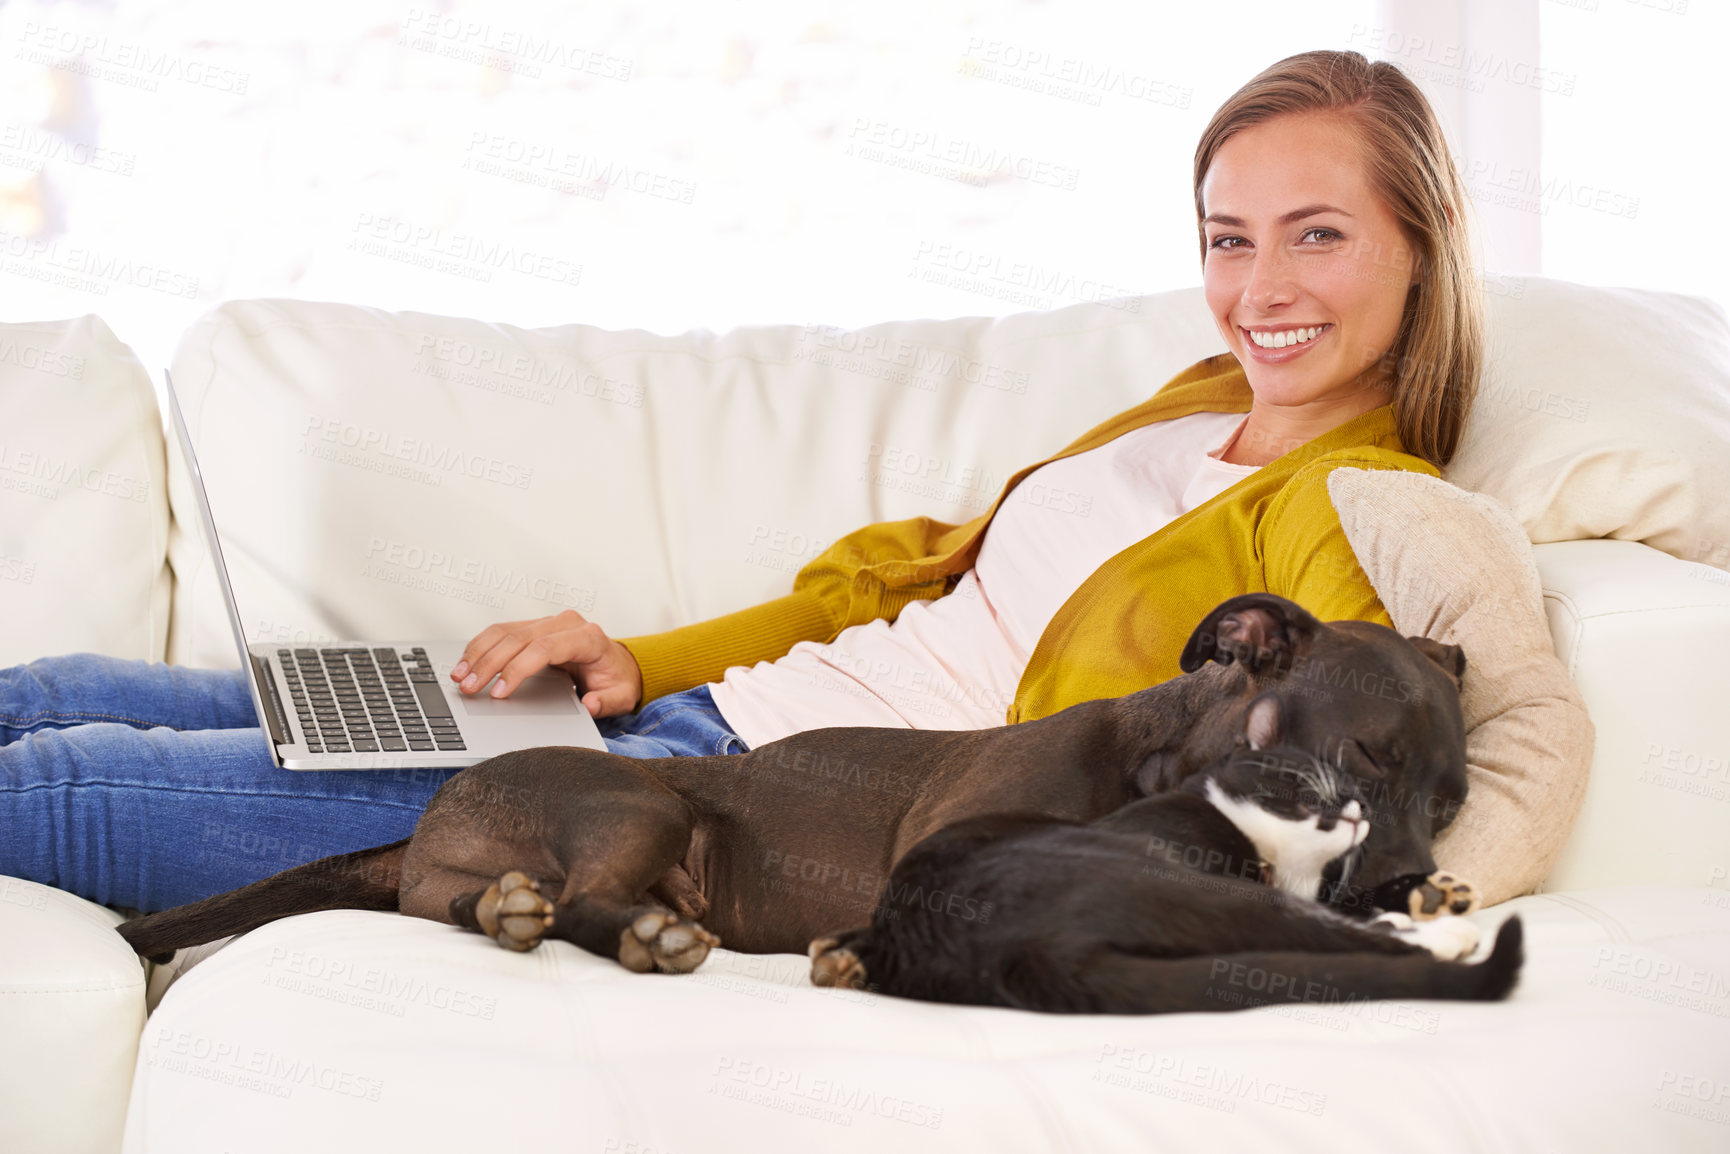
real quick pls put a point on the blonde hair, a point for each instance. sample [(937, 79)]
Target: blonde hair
[(1437, 355)]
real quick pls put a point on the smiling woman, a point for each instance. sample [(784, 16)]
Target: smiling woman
[(1308, 299), (1335, 255)]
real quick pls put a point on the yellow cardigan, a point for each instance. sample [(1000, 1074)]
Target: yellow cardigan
[(1273, 531)]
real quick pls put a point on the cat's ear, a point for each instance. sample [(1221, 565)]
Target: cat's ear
[(1260, 630), (1261, 726), (1451, 658)]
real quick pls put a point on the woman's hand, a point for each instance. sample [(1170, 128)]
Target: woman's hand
[(604, 670)]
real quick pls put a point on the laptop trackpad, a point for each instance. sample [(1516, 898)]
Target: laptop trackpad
[(540, 695)]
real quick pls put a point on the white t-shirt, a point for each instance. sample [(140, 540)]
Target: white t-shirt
[(954, 662)]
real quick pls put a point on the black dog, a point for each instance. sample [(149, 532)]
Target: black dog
[(1158, 907), (773, 847)]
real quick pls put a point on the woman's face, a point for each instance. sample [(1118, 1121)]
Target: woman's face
[(1297, 241)]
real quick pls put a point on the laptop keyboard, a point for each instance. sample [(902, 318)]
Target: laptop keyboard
[(355, 700)]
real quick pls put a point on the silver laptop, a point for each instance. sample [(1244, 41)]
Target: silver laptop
[(383, 704)]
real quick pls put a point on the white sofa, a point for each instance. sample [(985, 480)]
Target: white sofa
[(398, 474)]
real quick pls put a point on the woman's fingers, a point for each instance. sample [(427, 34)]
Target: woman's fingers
[(483, 643), (494, 648), (574, 648), (513, 651)]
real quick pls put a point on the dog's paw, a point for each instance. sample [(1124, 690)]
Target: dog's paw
[(661, 940), (1440, 895), (834, 965), (513, 913)]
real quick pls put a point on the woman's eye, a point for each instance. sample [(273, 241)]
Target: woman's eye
[(1223, 242), (1328, 234)]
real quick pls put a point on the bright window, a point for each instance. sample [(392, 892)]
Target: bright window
[(662, 166)]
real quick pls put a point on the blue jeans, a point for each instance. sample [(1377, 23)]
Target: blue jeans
[(150, 785)]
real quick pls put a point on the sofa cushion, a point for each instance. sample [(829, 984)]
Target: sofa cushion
[(407, 475), (402, 1034), (71, 1007), (83, 514), (399, 474), (1606, 413), (1640, 633), (1456, 567)]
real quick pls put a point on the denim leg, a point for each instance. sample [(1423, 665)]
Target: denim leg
[(58, 692), (151, 818), (686, 724), (150, 785)]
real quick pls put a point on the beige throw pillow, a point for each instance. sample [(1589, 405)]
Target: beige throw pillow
[(1456, 567)]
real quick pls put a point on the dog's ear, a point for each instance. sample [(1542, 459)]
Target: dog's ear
[(1261, 725), (1451, 658), (1258, 629)]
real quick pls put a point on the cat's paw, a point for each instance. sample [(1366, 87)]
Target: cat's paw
[(1440, 895), (1447, 939)]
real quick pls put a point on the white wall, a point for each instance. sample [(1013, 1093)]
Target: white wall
[(674, 165)]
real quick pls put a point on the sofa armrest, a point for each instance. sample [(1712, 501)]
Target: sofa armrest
[(71, 1010), (1645, 637)]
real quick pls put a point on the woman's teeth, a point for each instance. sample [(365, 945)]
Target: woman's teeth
[(1286, 338)]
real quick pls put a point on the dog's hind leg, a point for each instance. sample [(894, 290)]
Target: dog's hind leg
[(577, 862)]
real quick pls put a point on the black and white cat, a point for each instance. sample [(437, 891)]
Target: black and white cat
[(1203, 898)]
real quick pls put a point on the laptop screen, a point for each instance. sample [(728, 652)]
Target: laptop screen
[(215, 548)]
